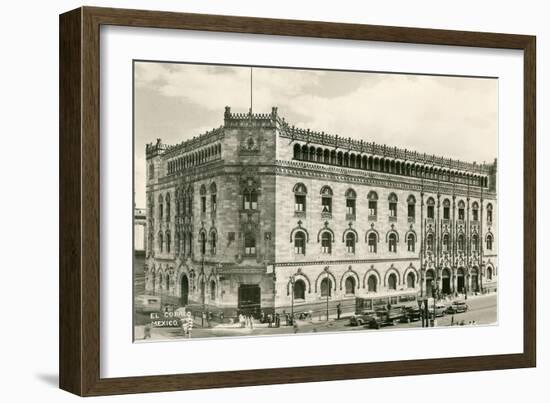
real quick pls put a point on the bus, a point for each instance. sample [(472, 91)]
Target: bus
[(390, 308)]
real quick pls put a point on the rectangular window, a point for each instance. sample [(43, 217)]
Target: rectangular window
[(489, 215), (431, 212), (203, 204), (300, 203), (393, 209), (350, 207), (249, 245), (213, 201), (254, 201), (326, 204), (372, 208), (475, 215), (461, 214), (410, 211), (446, 213)]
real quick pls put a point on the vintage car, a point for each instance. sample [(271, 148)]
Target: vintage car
[(364, 318), (457, 307), (147, 303), (439, 309), (389, 316), (411, 314)]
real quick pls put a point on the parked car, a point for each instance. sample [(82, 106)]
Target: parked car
[(147, 303), (362, 319), (389, 316), (411, 314), (457, 307), (439, 309)]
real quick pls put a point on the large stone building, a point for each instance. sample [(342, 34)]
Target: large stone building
[(260, 214)]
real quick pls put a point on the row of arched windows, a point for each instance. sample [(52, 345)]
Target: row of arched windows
[(350, 196), (350, 239), (207, 154), (299, 288), (385, 164)]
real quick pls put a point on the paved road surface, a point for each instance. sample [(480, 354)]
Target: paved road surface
[(482, 310)]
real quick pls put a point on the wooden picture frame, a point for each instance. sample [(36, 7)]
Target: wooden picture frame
[(79, 348)]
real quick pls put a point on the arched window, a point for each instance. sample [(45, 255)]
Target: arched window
[(151, 171), (350, 242), (300, 289), (410, 242), (460, 242), (372, 242), (350, 204), (177, 243), (475, 243), (300, 192), (392, 281), (168, 242), (212, 290), (489, 273), (161, 207), (431, 208), (392, 206), (475, 211), (410, 280), (461, 210), (326, 243), (489, 213), (392, 242), (203, 199), (326, 287), (202, 239), (213, 242), (372, 197), (411, 208), (168, 207), (326, 200), (167, 280), (446, 209), (445, 242), (300, 243), (430, 242), (489, 242), (297, 152), (249, 244), (213, 198), (372, 283), (161, 242), (350, 285)]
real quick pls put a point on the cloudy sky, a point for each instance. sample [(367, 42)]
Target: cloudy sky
[(455, 117)]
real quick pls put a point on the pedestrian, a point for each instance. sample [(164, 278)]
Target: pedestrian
[(241, 320), (338, 311), (277, 320), (269, 320), (262, 317), (189, 324), (221, 317), (452, 320), (147, 331), (295, 326), (251, 319), (203, 318)]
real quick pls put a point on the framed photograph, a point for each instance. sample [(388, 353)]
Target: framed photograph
[(249, 201)]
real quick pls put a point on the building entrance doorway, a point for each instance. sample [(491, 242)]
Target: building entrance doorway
[(184, 290), (475, 280), (250, 298), (429, 283), (460, 281), (446, 281)]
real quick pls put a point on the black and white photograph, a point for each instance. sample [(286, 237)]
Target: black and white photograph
[(283, 201)]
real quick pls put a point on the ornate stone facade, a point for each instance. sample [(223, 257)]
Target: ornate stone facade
[(260, 215)]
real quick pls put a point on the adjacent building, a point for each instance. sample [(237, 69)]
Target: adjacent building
[(258, 214)]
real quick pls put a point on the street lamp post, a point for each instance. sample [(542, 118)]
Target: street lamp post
[(292, 281), (328, 291)]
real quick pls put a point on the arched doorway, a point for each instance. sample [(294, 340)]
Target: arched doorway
[(184, 290), (475, 279), (446, 281), (460, 280), (429, 282)]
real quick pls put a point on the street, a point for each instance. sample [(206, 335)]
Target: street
[(482, 310)]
